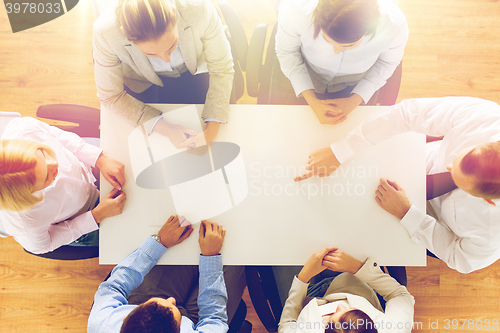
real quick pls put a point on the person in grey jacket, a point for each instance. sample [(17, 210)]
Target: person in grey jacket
[(346, 301), (164, 51)]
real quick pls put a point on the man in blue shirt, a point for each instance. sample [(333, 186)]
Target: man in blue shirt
[(114, 309)]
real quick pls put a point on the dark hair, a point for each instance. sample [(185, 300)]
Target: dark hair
[(483, 162), (150, 318), (361, 322), (145, 20), (346, 21)]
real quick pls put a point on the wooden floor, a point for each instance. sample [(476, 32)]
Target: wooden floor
[(453, 49)]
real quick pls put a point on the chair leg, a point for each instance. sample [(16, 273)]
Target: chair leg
[(246, 327), (238, 318)]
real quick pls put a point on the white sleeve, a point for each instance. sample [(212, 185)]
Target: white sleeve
[(383, 68), (465, 254), (293, 306), (430, 116), (288, 45), (42, 237), (85, 152), (399, 302)]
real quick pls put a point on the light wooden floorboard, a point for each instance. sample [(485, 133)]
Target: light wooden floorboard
[(453, 49)]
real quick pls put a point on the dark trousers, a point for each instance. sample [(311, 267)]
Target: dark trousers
[(282, 92), (181, 283), (186, 89)]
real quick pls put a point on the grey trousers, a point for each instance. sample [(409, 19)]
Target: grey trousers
[(181, 283)]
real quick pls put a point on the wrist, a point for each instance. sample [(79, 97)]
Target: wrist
[(209, 254), (356, 99), (310, 97), (403, 213), (99, 161), (356, 267), (96, 213), (304, 277)]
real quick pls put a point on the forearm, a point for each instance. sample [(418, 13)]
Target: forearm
[(293, 305), (217, 52), (458, 253), (212, 296), (125, 277), (42, 239)]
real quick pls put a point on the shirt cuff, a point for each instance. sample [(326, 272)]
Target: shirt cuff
[(89, 154), (412, 220), (86, 223), (214, 119), (211, 263), (153, 123), (342, 150), (365, 89), (301, 82), (153, 248), (369, 267)]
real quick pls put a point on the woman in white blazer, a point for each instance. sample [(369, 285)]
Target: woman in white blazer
[(163, 51), (336, 53), (349, 303)]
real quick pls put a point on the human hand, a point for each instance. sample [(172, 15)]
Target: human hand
[(177, 134), (339, 261), (113, 171), (314, 265), (211, 238), (111, 205), (327, 114), (204, 138), (172, 233), (392, 198), (344, 105), (322, 162)]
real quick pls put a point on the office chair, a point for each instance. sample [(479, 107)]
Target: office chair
[(247, 57)]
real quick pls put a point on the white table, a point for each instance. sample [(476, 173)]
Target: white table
[(280, 221)]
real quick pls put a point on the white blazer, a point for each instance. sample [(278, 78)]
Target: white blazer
[(398, 315)]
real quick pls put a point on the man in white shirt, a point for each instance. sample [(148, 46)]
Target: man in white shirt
[(466, 231)]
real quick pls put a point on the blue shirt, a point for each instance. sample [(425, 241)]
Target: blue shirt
[(111, 299)]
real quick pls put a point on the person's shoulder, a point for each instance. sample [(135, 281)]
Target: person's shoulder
[(195, 12), (18, 127), (186, 6), (391, 15), (107, 22)]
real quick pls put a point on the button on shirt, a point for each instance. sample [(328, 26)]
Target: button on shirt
[(111, 300), (63, 215), (466, 234), (299, 53)]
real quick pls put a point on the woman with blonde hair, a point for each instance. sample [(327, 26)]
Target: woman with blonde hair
[(47, 192), (335, 54), (164, 51)]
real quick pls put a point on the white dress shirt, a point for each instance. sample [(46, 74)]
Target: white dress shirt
[(63, 215), (467, 233), (298, 52)]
